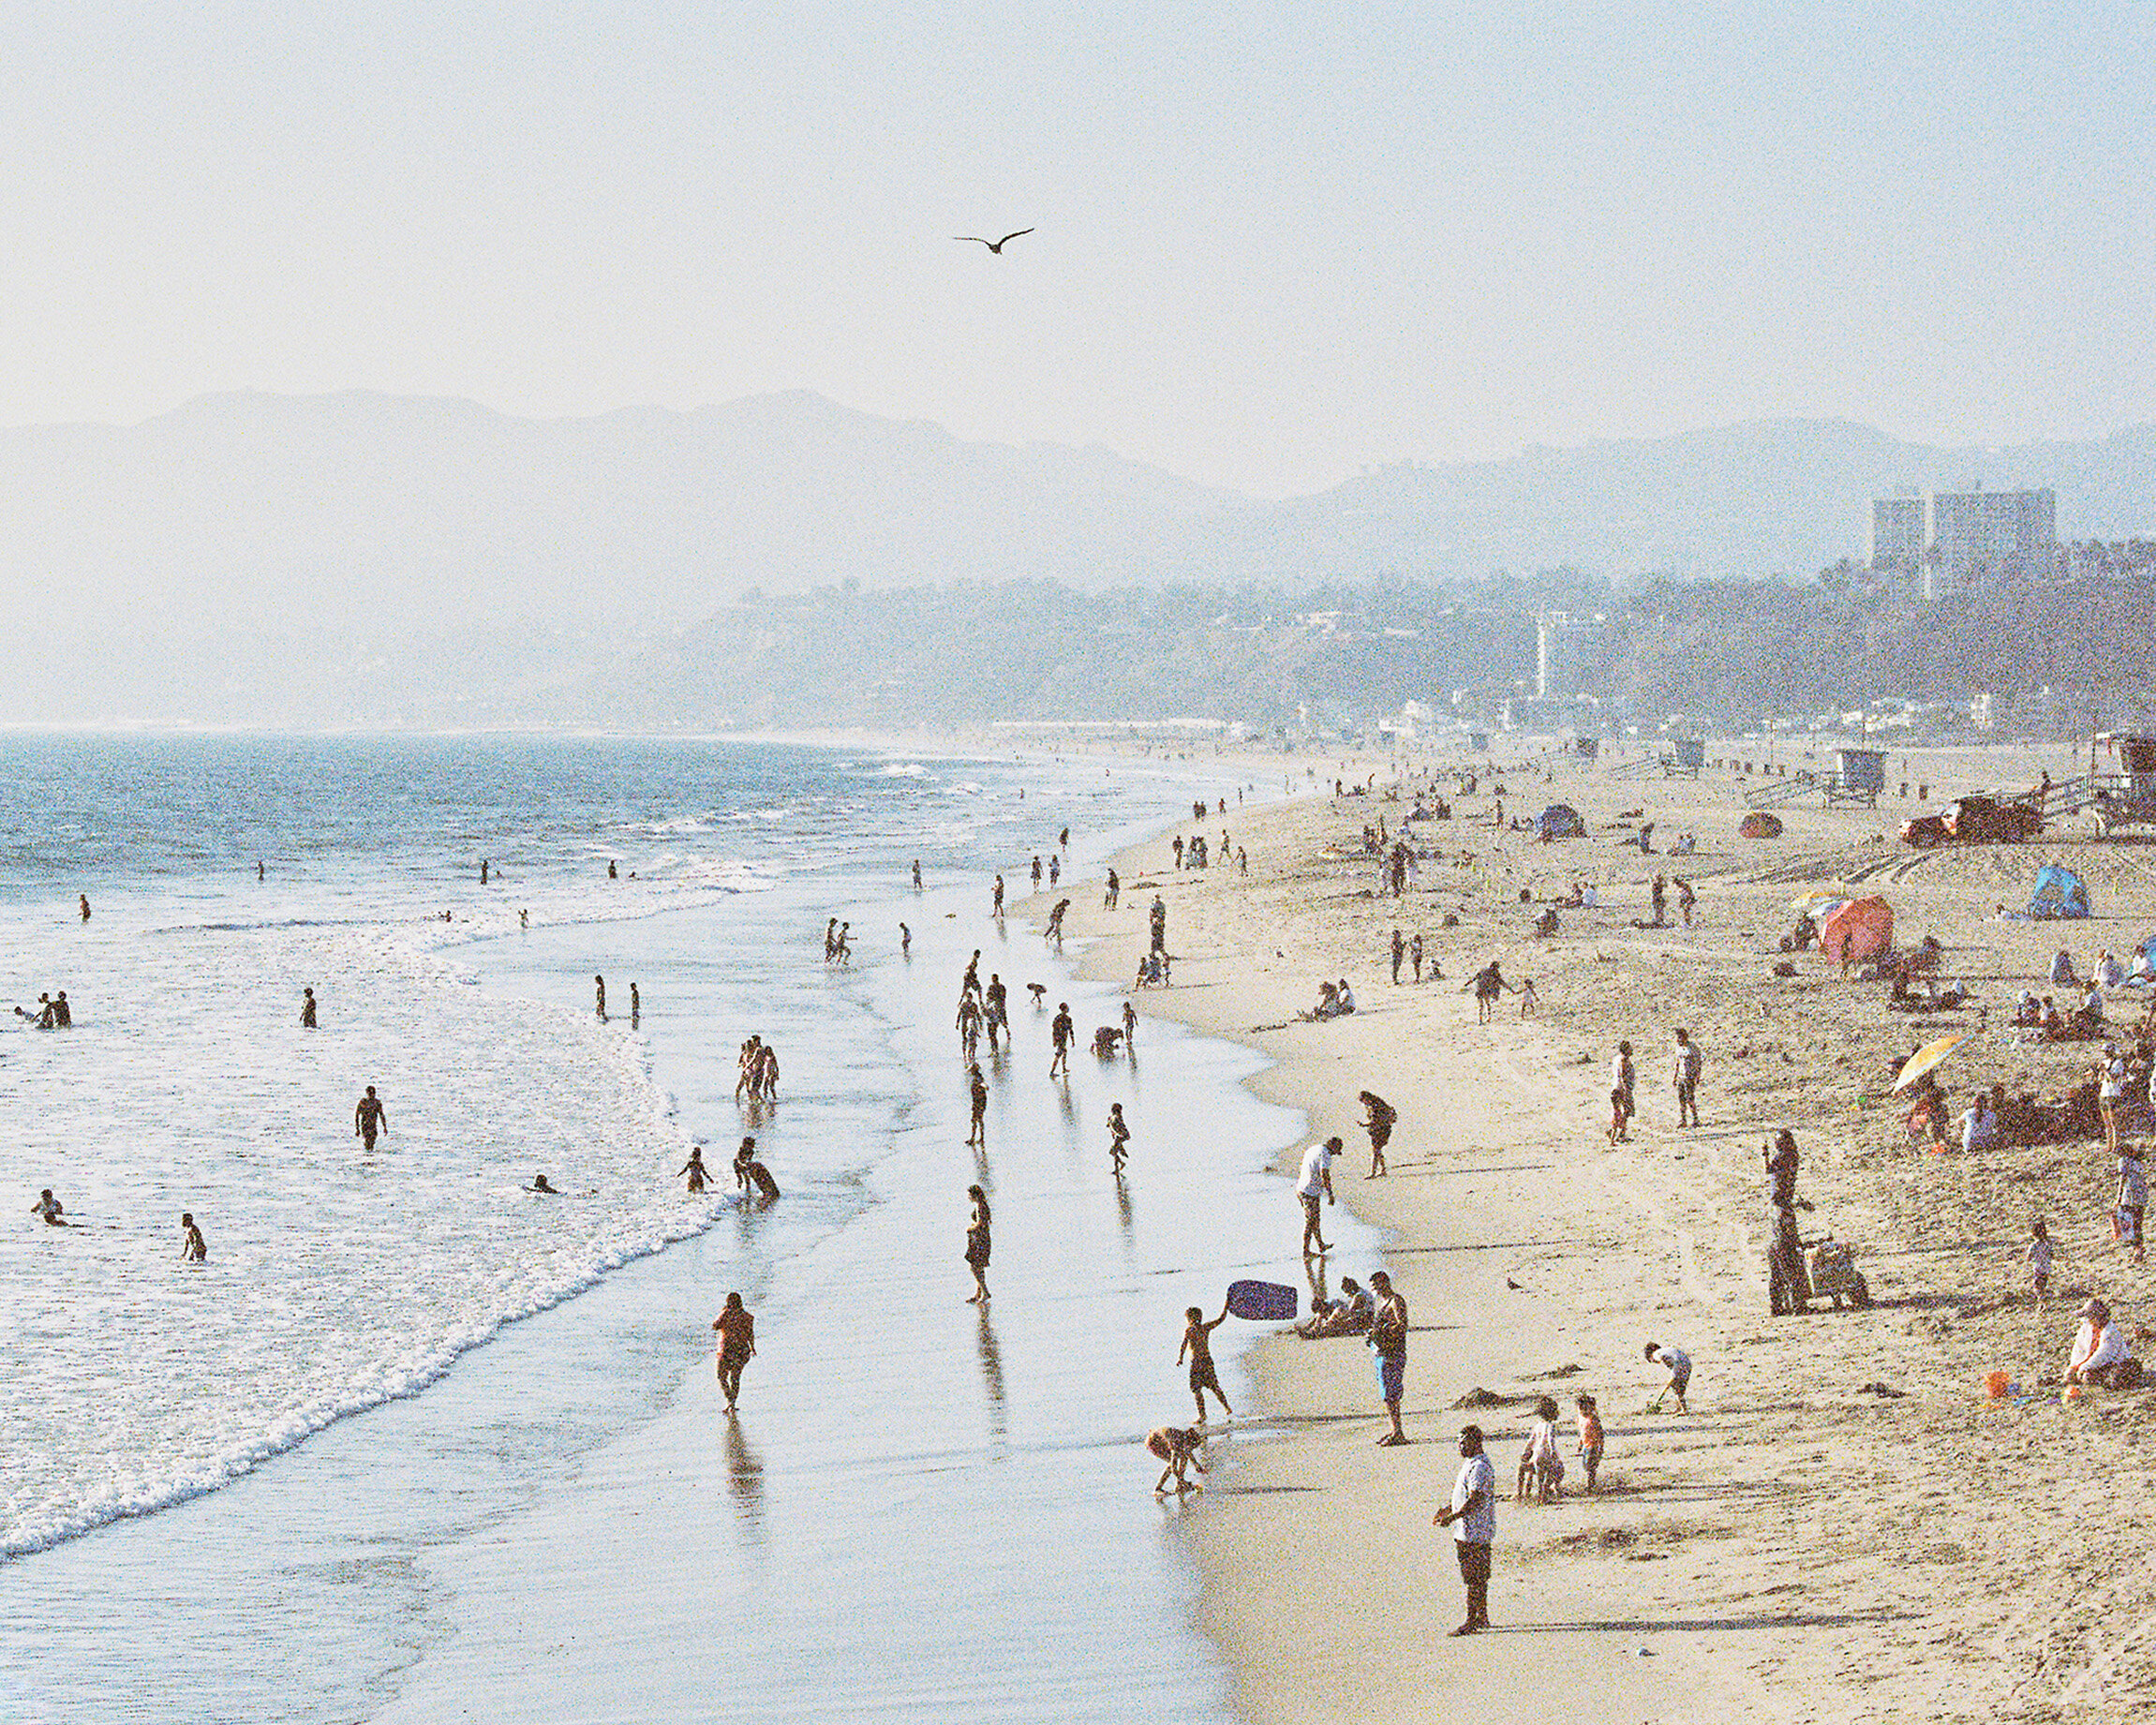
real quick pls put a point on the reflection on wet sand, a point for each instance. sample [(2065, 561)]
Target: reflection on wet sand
[(745, 1480)]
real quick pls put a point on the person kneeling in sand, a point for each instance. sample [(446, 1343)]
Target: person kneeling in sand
[(1348, 1317), (1178, 1446)]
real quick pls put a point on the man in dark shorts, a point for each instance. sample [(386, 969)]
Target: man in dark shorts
[(369, 1118), (193, 1250), (599, 985), (1473, 1512), (1388, 1338), (1377, 1119), (736, 1330), (1198, 1345), (1064, 1032)]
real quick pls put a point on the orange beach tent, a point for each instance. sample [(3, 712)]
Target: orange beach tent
[(1860, 930)]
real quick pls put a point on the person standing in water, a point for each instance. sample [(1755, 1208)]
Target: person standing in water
[(736, 1330), (307, 1010), (1063, 1033), (82, 900), (599, 985), (977, 1245), (905, 942), (693, 1167), (193, 1250), (49, 1210), (1129, 1027), (369, 1118), (635, 1006), (996, 905), (485, 869), (1198, 1345), (980, 1088)]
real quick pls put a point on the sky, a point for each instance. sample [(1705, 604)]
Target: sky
[(1275, 243)]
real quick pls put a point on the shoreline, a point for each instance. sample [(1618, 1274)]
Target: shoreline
[(1799, 1545)]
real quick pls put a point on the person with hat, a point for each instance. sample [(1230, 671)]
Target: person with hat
[(2099, 1349)]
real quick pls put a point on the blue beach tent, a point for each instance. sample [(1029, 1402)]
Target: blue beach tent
[(1560, 821), (2059, 892)]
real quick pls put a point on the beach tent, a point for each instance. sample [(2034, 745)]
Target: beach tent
[(1761, 824), (1559, 821), (1862, 928), (2059, 892)]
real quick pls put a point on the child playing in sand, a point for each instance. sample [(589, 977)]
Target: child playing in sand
[(1590, 1440), (1527, 997), (2040, 1258), (1540, 1465), (1177, 1447), (1678, 1363)]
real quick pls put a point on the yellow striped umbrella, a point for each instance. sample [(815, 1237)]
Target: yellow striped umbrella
[(1928, 1056)]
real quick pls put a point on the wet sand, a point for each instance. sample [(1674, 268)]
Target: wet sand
[(1797, 1546)]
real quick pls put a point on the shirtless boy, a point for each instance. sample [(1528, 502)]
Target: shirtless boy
[(1198, 1345)]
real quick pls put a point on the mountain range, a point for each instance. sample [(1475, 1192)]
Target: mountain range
[(343, 525)]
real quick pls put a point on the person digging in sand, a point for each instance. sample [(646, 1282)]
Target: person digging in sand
[(1178, 1446), (1678, 1363)]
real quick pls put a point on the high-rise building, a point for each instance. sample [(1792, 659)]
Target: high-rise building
[(1897, 533), (1966, 541)]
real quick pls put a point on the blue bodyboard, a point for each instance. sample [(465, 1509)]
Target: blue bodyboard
[(1266, 1302)]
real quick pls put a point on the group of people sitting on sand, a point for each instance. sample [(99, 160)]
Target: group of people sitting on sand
[(1335, 1000)]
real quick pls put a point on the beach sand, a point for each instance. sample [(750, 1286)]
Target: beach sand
[(1798, 1545)]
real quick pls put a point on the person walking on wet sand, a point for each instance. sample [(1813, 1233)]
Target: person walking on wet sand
[(307, 1010), (1129, 1027), (996, 905), (598, 983), (979, 1087), (369, 1118), (193, 1248), (736, 1330), (1118, 1140), (1472, 1513), (1198, 1346), (1315, 1180), (1063, 1033), (977, 1245), (1379, 1118)]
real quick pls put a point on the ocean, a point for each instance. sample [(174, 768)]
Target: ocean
[(415, 1440)]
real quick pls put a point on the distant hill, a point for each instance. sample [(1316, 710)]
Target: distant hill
[(439, 544)]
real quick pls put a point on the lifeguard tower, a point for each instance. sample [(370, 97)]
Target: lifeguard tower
[(1859, 777), (1687, 757), (2121, 783), (1586, 747)]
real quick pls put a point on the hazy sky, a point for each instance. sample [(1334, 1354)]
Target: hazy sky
[(1276, 242)]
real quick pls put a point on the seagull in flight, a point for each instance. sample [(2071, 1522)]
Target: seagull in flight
[(994, 245)]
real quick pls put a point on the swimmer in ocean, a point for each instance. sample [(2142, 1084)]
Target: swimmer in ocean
[(369, 1118), (192, 1248), (307, 1010), (635, 1006), (524, 919), (916, 875), (540, 1183), (83, 899), (50, 1210), (693, 1167)]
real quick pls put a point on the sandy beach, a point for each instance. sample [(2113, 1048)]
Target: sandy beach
[(1844, 1525)]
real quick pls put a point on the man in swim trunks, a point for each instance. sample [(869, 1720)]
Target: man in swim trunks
[(1197, 1344), (192, 1248), (736, 1330), (369, 1118), (1388, 1338), (1064, 1032)]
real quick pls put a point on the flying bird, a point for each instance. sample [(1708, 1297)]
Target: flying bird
[(994, 245)]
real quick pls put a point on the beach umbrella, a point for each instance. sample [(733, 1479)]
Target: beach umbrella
[(1928, 1056), (1818, 894)]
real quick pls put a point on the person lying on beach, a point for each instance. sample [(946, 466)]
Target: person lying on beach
[(1338, 1317), (49, 1210), (1198, 1345), (1178, 1446)]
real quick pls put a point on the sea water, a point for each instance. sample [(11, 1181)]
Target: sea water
[(935, 1506)]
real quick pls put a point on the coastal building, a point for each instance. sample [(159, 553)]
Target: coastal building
[(1966, 542), (1566, 655)]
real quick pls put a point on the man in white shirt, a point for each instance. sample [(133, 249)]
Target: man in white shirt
[(1473, 1514), (1317, 1179)]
